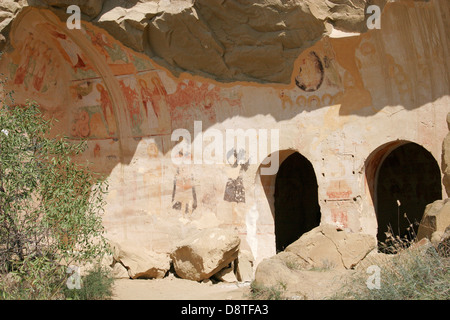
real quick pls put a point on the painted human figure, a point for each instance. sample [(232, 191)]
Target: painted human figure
[(154, 99), (132, 104), (44, 56), (150, 107), (26, 60), (99, 42), (234, 189), (107, 109), (81, 126), (184, 196)]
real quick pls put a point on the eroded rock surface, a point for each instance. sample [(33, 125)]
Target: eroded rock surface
[(324, 247), (436, 218), (203, 254), (225, 40), (446, 159), (138, 263)]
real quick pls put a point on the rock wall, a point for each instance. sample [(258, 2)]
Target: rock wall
[(228, 41), (338, 94), (446, 158)]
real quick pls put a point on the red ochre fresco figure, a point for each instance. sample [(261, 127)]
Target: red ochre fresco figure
[(159, 93), (97, 151), (151, 104), (45, 57), (146, 95), (81, 126), (99, 43), (155, 100), (133, 107), (25, 61), (107, 109)]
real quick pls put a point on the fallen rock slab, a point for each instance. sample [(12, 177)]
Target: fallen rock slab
[(443, 246), (141, 264), (328, 247), (274, 272), (446, 159), (435, 219), (275, 275), (244, 266), (227, 274), (316, 261), (200, 256), (119, 271)]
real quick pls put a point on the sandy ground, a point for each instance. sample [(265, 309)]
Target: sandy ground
[(178, 289), (311, 285)]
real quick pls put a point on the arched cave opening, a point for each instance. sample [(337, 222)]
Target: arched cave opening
[(408, 179), (296, 200)]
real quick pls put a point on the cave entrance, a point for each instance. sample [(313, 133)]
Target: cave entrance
[(408, 179), (296, 200)]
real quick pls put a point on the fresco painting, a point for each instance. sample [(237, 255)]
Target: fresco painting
[(234, 188), (93, 108), (141, 64), (345, 99), (154, 103), (33, 67), (308, 102), (318, 72), (100, 42), (146, 106), (146, 98), (119, 60), (311, 73), (149, 108), (80, 127), (71, 53), (339, 217), (184, 195), (199, 100), (134, 112)]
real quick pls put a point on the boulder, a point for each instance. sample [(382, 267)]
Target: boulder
[(141, 264), (227, 274), (244, 266), (90, 8), (446, 235), (436, 218), (119, 271), (436, 237), (299, 268), (327, 247), (446, 159), (443, 245), (205, 253), (292, 260), (274, 272)]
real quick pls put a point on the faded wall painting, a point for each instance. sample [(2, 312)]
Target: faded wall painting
[(310, 75), (154, 103), (93, 109)]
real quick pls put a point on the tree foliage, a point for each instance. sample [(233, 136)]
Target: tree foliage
[(50, 206)]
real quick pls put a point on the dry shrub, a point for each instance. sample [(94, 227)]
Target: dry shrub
[(413, 271)]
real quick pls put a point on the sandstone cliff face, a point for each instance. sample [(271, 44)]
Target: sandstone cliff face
[(446, 159), (340, 96), (224, 40)]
